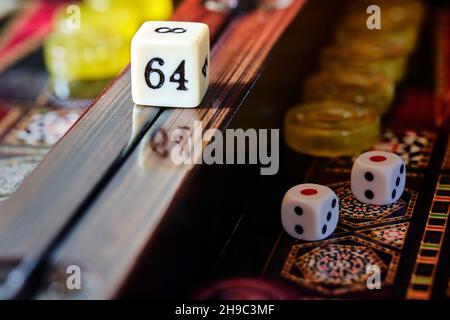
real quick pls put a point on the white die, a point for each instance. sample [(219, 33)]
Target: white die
[(378, 177), (310, 212), (170, 64)]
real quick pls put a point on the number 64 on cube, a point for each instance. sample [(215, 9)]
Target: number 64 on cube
[(170, 64)]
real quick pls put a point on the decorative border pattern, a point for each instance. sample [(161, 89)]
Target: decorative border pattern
[(424, 272)]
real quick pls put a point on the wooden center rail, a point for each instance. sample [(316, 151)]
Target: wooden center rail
[(103, 190)]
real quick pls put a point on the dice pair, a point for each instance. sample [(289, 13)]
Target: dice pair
[(170, 64), (311, 211)]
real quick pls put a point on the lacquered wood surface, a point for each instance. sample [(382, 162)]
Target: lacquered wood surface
[(121, 222), (72, 170), (69, 177)]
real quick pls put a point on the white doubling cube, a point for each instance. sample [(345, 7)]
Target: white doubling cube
[(170, 64), (378, 177), (310, 212)]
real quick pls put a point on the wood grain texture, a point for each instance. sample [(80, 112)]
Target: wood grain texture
[(125, 216), (68, 173), (71, 171)]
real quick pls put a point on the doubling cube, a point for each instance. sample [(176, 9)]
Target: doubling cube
[(310, 212), (378, 177), (170, 64)]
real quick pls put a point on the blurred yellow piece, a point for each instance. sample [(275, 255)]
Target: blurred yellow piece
[(405, 38), (395, 14), (371, 92), (85, 56), (331, 129), (91, 49), (145, 9), (91, 41), (366, 58), (117, 20), (400, 23)]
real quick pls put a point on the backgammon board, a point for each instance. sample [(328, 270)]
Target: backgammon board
[(105, 196)]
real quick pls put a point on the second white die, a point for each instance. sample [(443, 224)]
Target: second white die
[(310, 211), (378, 177), (170, 64)]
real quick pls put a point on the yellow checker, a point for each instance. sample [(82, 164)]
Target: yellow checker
[(394, 14), (117, 20), (91, 42), (145, 9), (331, 129), (405, 38), (371, 92), (366, 58), (85, 57)]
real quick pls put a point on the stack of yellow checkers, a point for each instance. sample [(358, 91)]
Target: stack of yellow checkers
[(357, 78), (90, 42), (331, 128)]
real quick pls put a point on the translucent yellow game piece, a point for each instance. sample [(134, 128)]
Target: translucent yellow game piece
[(156, 9), (400, 23), (366, 58), (91, 42), (117, 20), (395, 14), (146, 9), (85, 57), (405, 38), (80, 65), (331, 129), (85, 51), (372, 92)]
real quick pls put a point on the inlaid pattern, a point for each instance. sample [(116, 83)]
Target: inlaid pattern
[(393, 235), (414, 147), (42, 128), (356, 214), (13, 171), (338, 266), (421, 283)]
